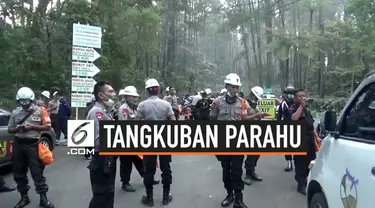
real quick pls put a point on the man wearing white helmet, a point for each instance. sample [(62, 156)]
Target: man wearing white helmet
[(252, 160), (43, 99), (231, 107), (153, 109), (27, 123), (167, 90), (127, 111)]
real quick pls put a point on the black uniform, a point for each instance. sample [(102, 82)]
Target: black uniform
[(301, 162), (203, 109)]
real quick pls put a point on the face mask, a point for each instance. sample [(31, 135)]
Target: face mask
[(230, 94), (109, 103), (25, 104)]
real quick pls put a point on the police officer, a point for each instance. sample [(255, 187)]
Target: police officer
[(172, 99), (3, 186), (27, 123), (203, 107), (155, 108), (283, 110), (43, 99), (102, 168), (127, 112), (252, 160), (89, 106), (229, 107), (299, 111)]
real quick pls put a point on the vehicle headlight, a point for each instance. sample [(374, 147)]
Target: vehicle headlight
[(311, 165)]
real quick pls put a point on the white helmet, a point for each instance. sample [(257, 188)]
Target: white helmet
[(257, 91), (208, 91), (223, 91), (233, 79), (151, 83), (167, 90), (55, 93), (131, 90), (121, 92), (46, 94), (25, 93)]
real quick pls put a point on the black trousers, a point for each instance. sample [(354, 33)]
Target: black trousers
[(25, 156), (250, 163), (126, 166), (102, 179), (150, 169), (288, 157), (301, 165), (232, 173), (55, 122)]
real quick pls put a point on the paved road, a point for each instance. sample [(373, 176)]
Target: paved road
[(197, 184)]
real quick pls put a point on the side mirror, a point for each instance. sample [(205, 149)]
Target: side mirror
[(330, 120)]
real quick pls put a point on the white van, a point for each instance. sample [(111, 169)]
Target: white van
[(343, 174)]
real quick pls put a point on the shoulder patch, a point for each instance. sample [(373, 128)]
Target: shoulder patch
[(99, 115), (125, 111), (213, 105)]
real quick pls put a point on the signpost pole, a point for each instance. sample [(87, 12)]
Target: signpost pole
[(85, 39)]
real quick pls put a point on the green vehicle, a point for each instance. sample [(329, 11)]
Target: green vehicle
[(47, 139)]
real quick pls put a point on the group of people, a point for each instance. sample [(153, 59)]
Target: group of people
[(28, 121)]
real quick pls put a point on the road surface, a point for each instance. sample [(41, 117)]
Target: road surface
[(196, 184)]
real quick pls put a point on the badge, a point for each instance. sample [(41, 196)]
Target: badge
[(125, 111), (36, 118), (99, 115)]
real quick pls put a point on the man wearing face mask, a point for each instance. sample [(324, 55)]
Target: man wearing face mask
[(27, 123), (102, 168), (127, 111), (252, 160), (153, 109), (299, 111), (283, 110), (231, 107)]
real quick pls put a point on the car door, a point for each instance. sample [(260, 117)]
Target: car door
[(6, 139), (350, 178)]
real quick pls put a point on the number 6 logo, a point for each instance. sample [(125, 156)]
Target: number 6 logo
[(79, 130)]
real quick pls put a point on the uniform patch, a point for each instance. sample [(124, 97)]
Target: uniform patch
[(99, 115), (125, 111), (213, 105)]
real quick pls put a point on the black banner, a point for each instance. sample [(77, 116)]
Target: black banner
[(205, 137)]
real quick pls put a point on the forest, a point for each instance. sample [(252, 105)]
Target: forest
[(324, 46)]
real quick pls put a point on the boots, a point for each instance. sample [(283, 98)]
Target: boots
[(25, 200), (289, 166), (229, 199), (254, 176), (301, 188), (167, 197), (127, 187), (238, 201), (148, 199), (247, 180), (44, 202)]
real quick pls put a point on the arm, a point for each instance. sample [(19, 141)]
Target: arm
[(12, 125), (140, 113), (214, 110), (297, 115), (123, 113), (251, 113), (170, 113)]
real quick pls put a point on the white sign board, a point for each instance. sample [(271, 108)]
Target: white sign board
[(80, 100), (84, 69), (83, 84), (87, 36), (84, 54)]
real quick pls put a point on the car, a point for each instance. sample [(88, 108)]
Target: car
[(343, 173), (47, 138)]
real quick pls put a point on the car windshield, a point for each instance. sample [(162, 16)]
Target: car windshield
[(4, 119)]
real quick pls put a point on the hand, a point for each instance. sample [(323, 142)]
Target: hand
[(303, 103), (28, 128), (20, 128), (259, 114)]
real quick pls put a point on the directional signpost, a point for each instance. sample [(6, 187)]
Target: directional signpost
[(85, 39)]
